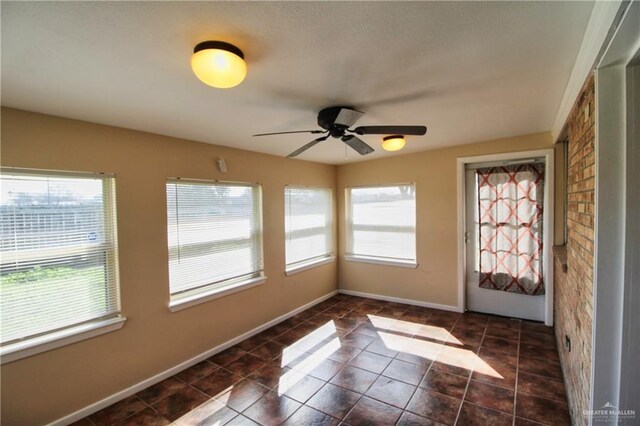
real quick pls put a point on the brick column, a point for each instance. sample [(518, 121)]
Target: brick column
[(573, 302)]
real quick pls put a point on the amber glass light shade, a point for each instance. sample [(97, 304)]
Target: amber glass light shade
[(393, 143), (218, 64)]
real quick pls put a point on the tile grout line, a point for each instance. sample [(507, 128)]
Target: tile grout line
[(429, 369), (342, 420), (361, 395), (210, 398), (329, 382), (380, 375), (515, 388), (270, 389), (147, 405), (425, 375), (464, 395)]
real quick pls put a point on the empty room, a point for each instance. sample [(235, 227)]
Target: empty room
[(319, 213)]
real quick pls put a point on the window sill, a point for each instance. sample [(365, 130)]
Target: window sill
[(400, 263), (309, 265), (196, 299), (36, 345)]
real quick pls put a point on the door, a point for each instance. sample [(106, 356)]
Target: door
[(512, 301)]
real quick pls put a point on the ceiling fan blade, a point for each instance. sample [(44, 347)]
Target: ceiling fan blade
[(357, 144), (390, 130), (295, 131), (307, 146), (348, 117)]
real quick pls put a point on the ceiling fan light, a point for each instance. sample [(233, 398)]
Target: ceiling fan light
[(393, 143), (218, 64)]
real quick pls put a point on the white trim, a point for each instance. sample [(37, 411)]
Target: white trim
[(602, 17), (380, 185), (58, 339), (624, 41), (630, 380), (462, 217), (400, 300), (610, 380), (410, 264), (181, 303), (327, 257), (48, 172), (309, 265), (608, 247), (549, 235), (112, 399), (548, 225)]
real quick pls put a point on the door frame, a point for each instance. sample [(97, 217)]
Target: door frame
[(547, 217), (614, 372)]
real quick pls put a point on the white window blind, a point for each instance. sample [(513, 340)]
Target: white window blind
[(382, 223), (308, 225), (214, 233), (58, 252)]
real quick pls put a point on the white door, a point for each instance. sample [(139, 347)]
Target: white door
[(487, 300)]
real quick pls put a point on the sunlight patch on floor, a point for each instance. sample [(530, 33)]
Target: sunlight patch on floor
[(204, 414), (224, 396), (482, 367), (421, 348), (307, 365), (429, 350), (299, 348), (457, 357), (395, 325), (436, 333), (314, 359), (288, 380)]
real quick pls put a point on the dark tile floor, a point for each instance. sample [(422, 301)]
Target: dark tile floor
[(356, 361)]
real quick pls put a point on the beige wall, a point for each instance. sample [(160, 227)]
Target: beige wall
[(51, 385), (434, 173)]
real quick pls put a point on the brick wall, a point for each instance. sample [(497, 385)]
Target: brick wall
[(573, 302)]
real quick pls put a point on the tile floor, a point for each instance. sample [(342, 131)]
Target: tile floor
[(356, 361)]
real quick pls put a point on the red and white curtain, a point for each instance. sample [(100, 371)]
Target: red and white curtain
[(510, 219)]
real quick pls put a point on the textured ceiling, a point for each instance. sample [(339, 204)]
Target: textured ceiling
[(470, 71)]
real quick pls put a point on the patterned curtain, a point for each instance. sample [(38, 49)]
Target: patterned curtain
[(510, 212)]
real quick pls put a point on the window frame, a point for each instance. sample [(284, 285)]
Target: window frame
[(310, 263), (203, 293), (59, 337), (349, 237)]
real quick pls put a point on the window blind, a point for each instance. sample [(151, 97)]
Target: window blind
[(214, 235), (382, 222), (308, 225), (58, 252)]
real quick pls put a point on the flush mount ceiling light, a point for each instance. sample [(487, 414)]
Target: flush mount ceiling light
[(393, 143), (218, 64)]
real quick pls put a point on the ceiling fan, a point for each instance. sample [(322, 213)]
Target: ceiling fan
[(336, 122)]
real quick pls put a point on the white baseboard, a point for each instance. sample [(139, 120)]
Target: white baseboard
[(86, 411), (399, 300)]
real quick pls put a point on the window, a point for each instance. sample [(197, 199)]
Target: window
[(215, 239), (58, 256), (381, 225), (308, 227)]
